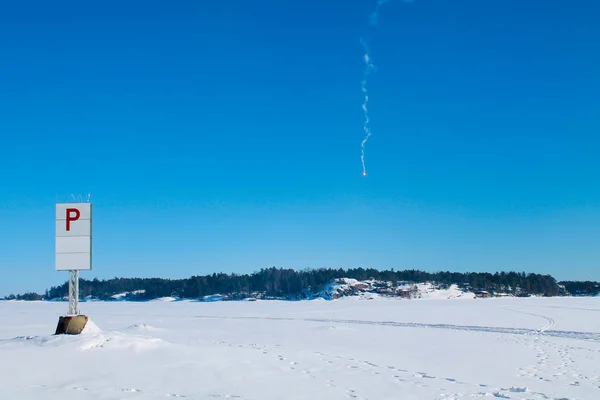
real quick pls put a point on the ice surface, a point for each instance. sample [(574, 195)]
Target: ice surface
[(429, 348)]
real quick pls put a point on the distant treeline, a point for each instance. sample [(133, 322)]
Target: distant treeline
[(288, 283), (583, 288)]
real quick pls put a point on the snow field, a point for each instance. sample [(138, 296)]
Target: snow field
[(433, 348)]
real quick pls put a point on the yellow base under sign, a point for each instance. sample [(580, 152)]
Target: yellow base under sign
[(71, 324)]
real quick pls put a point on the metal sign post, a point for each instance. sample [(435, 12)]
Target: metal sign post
[(73, 252), (73, 292)]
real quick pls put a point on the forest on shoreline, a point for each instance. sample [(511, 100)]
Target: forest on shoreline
[(276, 283)]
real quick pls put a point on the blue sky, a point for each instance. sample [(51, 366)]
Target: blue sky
[(225, 136)]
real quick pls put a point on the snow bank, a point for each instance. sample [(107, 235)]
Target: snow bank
[(122, 296), (213, 297), (164, 300)]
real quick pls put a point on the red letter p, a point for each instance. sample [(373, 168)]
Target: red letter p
[(72, 218)]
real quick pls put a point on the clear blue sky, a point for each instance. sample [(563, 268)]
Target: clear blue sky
[(225, 136)]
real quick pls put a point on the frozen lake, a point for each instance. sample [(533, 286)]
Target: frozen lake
[(534, 348)]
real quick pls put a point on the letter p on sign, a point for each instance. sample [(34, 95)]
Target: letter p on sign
[(71, 217)]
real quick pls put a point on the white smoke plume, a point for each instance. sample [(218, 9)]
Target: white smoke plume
[(369, 67), (374, 19)]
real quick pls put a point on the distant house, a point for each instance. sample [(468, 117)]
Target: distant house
[(482, 294)]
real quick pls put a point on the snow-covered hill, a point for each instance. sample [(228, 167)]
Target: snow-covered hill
[(371, 289)]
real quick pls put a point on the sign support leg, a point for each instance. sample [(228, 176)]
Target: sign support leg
[(77, 292), (73, 292), (73, 323), (70, 293)]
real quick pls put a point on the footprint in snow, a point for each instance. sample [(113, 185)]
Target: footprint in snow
[(423, 375), (514, 389)]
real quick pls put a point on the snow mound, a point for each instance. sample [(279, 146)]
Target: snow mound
[(91, 328), (92, 337), (121, 341), (141, 328), (133, 337)]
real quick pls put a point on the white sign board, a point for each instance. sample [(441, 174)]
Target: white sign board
[(73, 236)]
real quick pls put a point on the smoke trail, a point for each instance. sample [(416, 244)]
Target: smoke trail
[(365, 106), (374, 19), (369, 67)]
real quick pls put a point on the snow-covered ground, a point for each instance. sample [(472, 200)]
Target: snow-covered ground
[(352, 348)]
